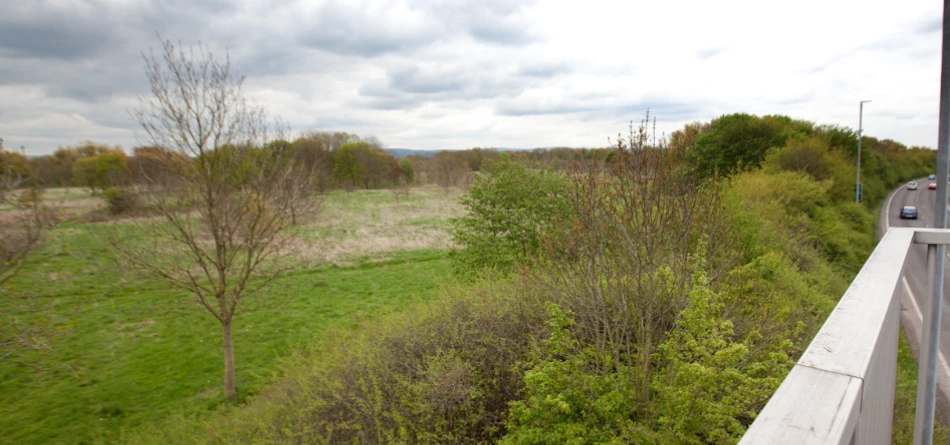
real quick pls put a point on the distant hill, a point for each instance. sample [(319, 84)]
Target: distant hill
[(403, 152)]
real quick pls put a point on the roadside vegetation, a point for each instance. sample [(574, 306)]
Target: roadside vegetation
[(655, 291)]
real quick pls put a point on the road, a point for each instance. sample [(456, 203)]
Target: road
[(915, 275)]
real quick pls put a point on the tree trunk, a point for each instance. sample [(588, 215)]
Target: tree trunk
[(229, 390)]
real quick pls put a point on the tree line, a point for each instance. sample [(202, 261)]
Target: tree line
[(334, 159)]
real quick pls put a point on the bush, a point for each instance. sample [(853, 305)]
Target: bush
[(508, 210), (121, 201), (707, 387)]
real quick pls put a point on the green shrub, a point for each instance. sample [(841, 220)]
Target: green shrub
[(707, 387), (508, 208), (712, 384), (566, 402), (121, 200)]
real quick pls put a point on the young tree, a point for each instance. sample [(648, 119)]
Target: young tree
[(449, 168), (347, 170), (21, 230), (101, 171), (111, 170), (221, 236), (406, 170), (84, 173), (14, 169), (625, 261), (316, 151)]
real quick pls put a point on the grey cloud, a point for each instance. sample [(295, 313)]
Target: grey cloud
[(51, 39), (189, 20), (349, 29), (109, 115), (507, 33), (419, 81), (275, 59), (94, 28), (490, 21), (360, 43), (593, 109), (534, 109), (339, 28), (403, 102), (47, 30), (410, 86), (93, 81), (544, 70), (661, 109), (42, 42), (931, 25)]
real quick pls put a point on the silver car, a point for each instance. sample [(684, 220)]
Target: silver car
[(912, 185)]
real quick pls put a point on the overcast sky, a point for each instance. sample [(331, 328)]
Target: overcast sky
[(454, 74)]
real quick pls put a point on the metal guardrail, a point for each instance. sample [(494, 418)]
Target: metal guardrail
[(841, 391)]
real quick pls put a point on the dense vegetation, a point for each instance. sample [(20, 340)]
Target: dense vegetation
[(652, 292)]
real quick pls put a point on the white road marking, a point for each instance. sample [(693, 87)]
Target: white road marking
[(913, 300), (887, 215)]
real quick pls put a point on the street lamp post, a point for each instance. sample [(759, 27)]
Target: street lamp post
[(857, 181)]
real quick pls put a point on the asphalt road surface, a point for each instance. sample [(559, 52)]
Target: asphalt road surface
[(914, 285)]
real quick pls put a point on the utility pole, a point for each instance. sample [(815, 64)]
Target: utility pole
[(857, 181)]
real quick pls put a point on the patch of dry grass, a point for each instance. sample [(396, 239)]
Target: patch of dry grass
[(68, 202), (372, 222), (348, 226)]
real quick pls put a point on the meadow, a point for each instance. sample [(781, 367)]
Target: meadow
[(125, 351)]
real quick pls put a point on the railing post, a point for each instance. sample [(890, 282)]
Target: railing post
[(924, 415)]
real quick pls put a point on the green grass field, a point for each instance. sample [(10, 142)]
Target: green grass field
[(126, 352)]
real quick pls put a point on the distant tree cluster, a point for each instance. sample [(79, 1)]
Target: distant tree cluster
[(737, 143), (329, 160)]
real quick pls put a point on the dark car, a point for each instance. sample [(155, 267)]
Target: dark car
[(909, 212)]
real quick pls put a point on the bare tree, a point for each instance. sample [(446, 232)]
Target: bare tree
[(301, 186), (449, 168), (225, 208), (22, 226)]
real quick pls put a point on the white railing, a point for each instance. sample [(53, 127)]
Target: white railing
[(841, 391)]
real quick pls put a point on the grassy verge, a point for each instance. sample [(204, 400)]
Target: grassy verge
[(905, 399)]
